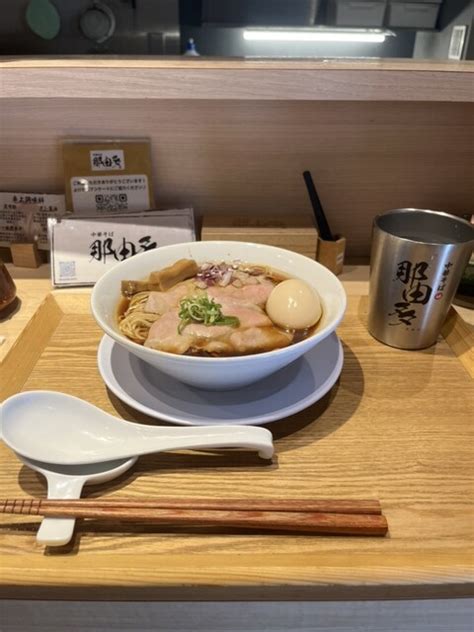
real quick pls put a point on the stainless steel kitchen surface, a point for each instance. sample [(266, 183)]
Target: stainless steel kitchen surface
[(435, 29)]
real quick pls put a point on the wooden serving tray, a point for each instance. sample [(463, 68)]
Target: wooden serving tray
[(396, 427)]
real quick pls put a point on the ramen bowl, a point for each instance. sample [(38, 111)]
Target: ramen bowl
[(230, 372)]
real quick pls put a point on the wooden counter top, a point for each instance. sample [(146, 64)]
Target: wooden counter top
[(396, 427), (244, 79)]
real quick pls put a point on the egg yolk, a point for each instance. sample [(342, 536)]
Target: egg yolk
[(293, 304)]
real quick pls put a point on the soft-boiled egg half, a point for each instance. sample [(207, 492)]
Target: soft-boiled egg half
[(293, 304)]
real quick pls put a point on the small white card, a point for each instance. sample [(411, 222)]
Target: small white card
[(24, 217), (110, 194), (82, 249)]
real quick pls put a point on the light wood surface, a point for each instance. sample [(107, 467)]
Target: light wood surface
[(31, 293), (460, 336), (297, 233), (378, 80), (397, 427), (246, 158), (161, 61)]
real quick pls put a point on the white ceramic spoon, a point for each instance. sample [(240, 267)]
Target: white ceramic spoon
[(60, 429), (67, 481)]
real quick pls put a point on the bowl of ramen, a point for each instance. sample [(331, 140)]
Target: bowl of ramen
[(218, 315)]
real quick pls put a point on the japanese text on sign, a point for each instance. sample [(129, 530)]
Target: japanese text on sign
[(109, 193), (24, 217), (107, 247), (107, 160), (417, 290)]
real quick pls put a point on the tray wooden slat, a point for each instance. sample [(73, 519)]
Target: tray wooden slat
[(396, 427)]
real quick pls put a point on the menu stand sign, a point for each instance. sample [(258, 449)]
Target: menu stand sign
[(82, 249), (24, 224), (107, 176)]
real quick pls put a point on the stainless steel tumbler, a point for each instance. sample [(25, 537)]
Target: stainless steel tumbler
[(417, 260)]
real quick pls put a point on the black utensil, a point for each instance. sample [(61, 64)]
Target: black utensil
[(320, 217)]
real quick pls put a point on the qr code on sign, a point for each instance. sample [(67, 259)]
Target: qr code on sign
[(67, 269), (112, 202)]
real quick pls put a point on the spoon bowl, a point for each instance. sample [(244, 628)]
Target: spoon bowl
[(56, 428)]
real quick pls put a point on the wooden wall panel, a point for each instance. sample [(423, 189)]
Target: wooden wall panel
[(248, 156)]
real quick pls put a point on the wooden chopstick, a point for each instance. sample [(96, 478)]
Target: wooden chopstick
[(297, 521), (319, 505)]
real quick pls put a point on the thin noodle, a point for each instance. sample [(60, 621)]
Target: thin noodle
[(137, 301), (135, 323)]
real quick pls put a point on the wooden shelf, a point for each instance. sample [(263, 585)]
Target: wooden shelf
[(232, 136), (206, 78)]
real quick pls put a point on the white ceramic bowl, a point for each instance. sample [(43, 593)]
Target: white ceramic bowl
[(230, 372)]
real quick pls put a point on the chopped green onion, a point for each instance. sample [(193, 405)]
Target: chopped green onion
[(203, 310)]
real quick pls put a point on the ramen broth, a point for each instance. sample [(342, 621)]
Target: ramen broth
[(134, 309)]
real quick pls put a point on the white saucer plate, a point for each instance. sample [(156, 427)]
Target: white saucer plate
[(284, 393)]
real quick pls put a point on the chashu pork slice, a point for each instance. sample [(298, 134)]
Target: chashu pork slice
[(255, 294), (164, 335), (161, 302), (259, 339)]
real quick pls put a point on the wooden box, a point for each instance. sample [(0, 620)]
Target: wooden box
[(331, 253), (26, 255), (293, 232)]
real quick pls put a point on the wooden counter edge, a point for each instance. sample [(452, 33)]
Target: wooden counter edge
[(328, 576), (162, 62), (318, 80)]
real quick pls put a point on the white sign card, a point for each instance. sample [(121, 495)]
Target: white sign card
[(24, 217), (82, 249), (110, 193)]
